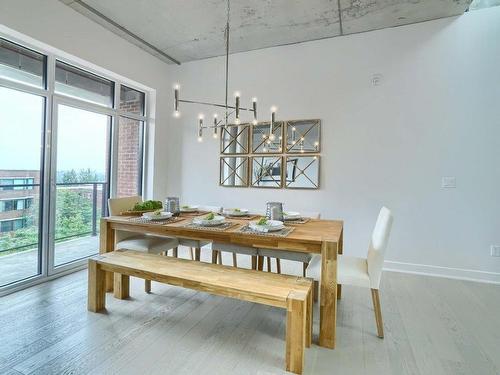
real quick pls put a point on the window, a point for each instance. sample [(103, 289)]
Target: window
[(16, 183), (12, 225), (80, 84), (97, 150), (21, 64), (131, 100)]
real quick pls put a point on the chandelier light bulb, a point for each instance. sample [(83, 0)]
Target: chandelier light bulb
[(254, 100), (237, 94), (200, 139), (272, 137), (273, 108), (237, 121), (254, 121), (201, 116), (264, 149), (177, 114)]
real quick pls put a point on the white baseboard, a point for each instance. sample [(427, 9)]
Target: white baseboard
[(447, 272)]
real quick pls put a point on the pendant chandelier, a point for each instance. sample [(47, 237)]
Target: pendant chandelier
[(229, 110)]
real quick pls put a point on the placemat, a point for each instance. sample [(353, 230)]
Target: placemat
[(215, 228), (279, 233), (143, 220), (302, 220)]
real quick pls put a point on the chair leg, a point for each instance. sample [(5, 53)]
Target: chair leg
[(316, 291), (191, 253), (278, 265), (260, 263), (235, 260), (214, 256), (268, 264), (339, 291), (254, 262), (147, 286), (96, 298), (378, 313), (304, 268), (197, 254), (175, 252)]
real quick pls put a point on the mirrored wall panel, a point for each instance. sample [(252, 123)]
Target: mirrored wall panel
[(234, 171), (302, 172), (266, 140), (235, 139), (303, 136), (266, 171)]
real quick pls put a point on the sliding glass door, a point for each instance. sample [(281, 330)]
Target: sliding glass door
[(82, 169), (69, 139)]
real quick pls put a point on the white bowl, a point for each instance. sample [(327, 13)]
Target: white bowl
[(233, 212), (189, 209), (157, 216), (270, 226), (217, 220)]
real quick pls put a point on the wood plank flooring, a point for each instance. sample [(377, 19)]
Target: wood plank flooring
[(432, 326)]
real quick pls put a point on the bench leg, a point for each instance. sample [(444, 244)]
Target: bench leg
[(214, 256), (121, 286), (197, 254), (235, 260), (96, 287), (175, 253), (278, 265), (295, 335), (254, 262), (219, 257), (147, 286), (309, 318)]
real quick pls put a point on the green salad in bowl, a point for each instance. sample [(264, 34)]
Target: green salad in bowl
[(147, 206)]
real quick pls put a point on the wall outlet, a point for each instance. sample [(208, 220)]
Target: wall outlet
[(495, 250), (449, 182)]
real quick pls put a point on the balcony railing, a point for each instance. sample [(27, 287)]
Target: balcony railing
[(93, 189)]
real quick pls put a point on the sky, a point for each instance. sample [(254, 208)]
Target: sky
[(82, 135)]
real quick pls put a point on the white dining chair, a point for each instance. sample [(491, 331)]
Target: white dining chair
[(304, 258), (138, 242), (363, 272), (219, 247), (198, 244)]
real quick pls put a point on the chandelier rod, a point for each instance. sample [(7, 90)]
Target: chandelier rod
[(227, 58)]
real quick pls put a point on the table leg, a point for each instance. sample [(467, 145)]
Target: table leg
[(197, 254), (328, 295), (122, 286), (106, 245)]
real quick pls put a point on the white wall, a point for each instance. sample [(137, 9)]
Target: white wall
[(55, 24), (435, 114)]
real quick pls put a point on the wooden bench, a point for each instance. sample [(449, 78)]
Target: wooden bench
[(289, 292)]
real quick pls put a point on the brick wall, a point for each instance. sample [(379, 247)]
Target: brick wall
[(129, 152)]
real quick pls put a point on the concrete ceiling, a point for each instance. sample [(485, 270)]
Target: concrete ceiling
[(184, 30)]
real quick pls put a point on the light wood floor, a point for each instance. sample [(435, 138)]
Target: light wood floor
[(432, 326)]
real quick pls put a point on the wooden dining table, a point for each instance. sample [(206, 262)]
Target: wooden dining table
[(323, 237)]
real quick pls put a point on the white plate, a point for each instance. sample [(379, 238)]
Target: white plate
[(217, 220), (189, 209), (271, 226), (232, 212), (290, 215), (161, 216)]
